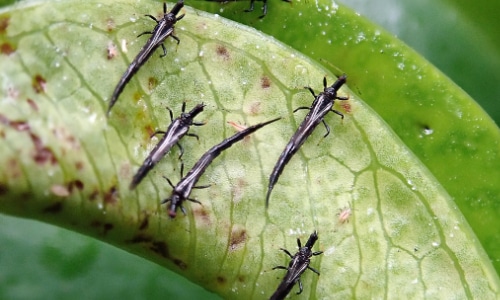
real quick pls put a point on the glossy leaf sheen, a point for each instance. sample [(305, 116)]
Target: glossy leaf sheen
[(70, 165)]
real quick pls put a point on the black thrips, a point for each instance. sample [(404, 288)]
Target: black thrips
[(299, 263), (163, 29), (183, 189), (177, 129), (321, 105), (264, 7)]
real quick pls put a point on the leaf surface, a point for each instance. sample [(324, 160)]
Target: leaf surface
[(70, 165)]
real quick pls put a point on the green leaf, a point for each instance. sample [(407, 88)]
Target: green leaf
[(71, 166), (442, 125)]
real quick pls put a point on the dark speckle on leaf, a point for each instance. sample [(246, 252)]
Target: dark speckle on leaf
[(222, 51), (39, 84), (42, 153), (54, 208), (152, 83), (221, 280), (6, 49), (265, 82), (161, 248), (111, 196), (3, 189), (141, 238), (145, 222), (182, 265), (4, 23), (32, 104), (75, 184), (238, 238)]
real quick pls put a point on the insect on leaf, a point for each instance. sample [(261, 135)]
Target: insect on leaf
[(70, 165)]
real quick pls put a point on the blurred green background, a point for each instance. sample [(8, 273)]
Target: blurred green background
[(460, 37)]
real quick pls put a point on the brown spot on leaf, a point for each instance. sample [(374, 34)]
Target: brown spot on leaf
[(238, 238), (42, 154), (222, 51), (107, 227), (111, 196), (7, 48), (182, 265), (255, 108), (137, 96), (221, 280), (17, 125), (3, 189), (149, 130), (346, 106), (152, 83), (75, 184), (4, 23), (141, 238), (54, 208), (265, 82), (32, 104), (160, 248), (94, 195), (145, 222), (79, 165), (39, 84), (241, 278), (201, 214)]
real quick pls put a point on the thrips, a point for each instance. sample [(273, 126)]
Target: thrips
[(299, 263), (321, 105), (177, 129), (264, 7), (163, 29), (183, 189)]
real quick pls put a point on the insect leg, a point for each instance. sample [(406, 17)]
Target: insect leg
[(264, 9), (300, 287), (202, 186), (171, 114), (164, 7), (299, 243), (310, 90), (164, 51), (180, 149), (198, 123), (180, 17), (176, 38), (152, 18), (194, 200), (286, 251), (317, 253), (342, 98), (280, 267), (312, 269), (324, 82), (169, 182), (145, 32), (157, 132), (299, 108), (251, 6), (338, 113), (193, 135), (327, 128)]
